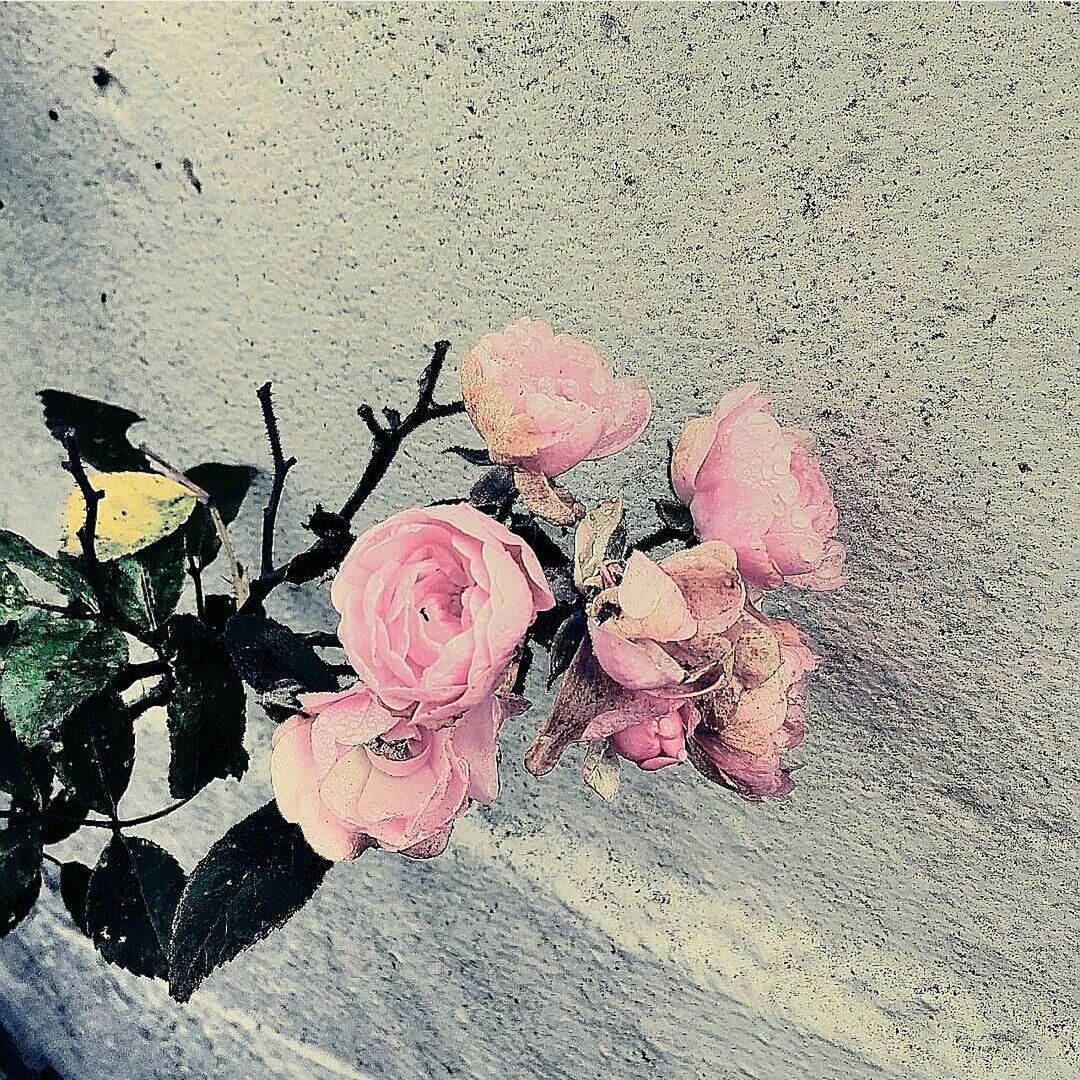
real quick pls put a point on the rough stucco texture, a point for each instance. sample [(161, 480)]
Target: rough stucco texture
[(869, 208)]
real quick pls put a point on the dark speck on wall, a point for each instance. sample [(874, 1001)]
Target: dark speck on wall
[(104, 297), (101, 77), (189, 172), (53, 114), (1023, 466), (157, 164)]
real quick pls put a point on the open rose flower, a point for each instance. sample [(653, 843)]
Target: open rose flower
[(755, 485), (434, 603), (348, 773), (545, 402), (747, 726)]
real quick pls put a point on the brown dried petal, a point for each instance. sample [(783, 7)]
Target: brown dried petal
[(757, 653), (584, 692), (547, 500)]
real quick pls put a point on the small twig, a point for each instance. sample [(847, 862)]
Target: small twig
[(282, 465), (52, 858), (119, 823), (91, 497), (134, 673), (327, 551), (322, 639), (159, 695), (196, 580)]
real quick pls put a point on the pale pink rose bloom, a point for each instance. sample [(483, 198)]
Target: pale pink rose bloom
[(545, 402), (348, 772), (662, 627), (746, 748), (647, 730), (755, 485), (433, 603)]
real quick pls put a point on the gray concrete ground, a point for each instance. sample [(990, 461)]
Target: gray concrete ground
[(871, 208)]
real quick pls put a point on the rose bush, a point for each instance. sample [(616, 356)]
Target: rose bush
[(349, 772), (544, 402), (755, 485), (434, 603)]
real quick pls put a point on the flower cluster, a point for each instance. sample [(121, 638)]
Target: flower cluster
[(662, 661)]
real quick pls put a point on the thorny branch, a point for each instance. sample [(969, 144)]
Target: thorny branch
[(333, 534), (282, 465)]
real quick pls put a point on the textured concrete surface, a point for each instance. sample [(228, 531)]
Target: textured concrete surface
[(870, 208)]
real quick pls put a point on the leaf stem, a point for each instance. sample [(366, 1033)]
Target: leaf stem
[(661, 536), (118, 823)]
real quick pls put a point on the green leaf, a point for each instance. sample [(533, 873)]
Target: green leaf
[(63, 573), (63, 816), (250, 882), (20, 869), (96, 751), (130, 904), (207, 710), (13, 595), (54, 663), (25, 773), (100, 428), (147, 586), (74, 883), (227, 486), (270, 656)]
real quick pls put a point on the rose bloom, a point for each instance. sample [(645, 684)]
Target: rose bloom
[(755, 485), (545, 402), (705, 674), (434, 603), (348, 772)]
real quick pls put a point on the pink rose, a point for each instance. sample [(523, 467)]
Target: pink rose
[(433, 603), (662, 628), (647, 730), (755, 485), (746, 728), (348, 772), (545, 402)]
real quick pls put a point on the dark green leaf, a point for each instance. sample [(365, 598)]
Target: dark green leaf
[(96, 751), (146, 586), (74, 883), (478, 456), (220, 608), (250, 882), (25, 773), (130, 904), (63, 573), (493, 488), (13, 595), (100, 428), (565, 644), (546, 549), (227, 485), (63, 816), (54, 663), (675, 516), (20, 873), (270, 656), (207, 709)]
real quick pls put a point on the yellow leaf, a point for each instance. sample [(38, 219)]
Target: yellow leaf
[(138, 509)]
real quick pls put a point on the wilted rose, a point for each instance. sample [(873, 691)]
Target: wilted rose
[(434, 603), (755, 485)]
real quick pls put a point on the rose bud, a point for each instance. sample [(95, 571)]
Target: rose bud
[(745, 729), (647, 730), (755, 485), (545, 402), (663, 628), (350, 774), (434, 604)]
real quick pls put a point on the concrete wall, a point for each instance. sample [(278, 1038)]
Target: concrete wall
[(872, 209)]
